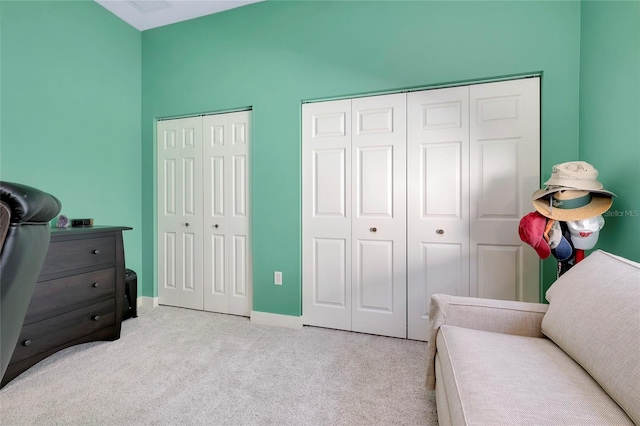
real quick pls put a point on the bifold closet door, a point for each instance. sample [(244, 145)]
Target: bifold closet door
[(473, 163), (408, 195), (326, 217), (227, 274), (378, 223), (180, 212), (504, 172), (354, 219), (204, 259), (438, 200)]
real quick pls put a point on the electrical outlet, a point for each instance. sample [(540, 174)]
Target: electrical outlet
[(277, 278)]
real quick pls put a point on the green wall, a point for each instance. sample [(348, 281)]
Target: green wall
[(273, 55), (610, 115), (70, 110), (78, 87)]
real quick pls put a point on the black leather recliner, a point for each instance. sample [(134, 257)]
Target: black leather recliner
[(25, 213)]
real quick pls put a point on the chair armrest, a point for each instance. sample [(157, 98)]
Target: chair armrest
[(5, 219), (28, 205), (498, 316), (26, 212)]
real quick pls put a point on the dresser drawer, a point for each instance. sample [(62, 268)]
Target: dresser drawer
[(47, 334), (65, 294), (80, 253)]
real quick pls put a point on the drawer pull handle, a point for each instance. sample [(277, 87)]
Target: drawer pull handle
[(96, 285), (216, 225), (96, 251), (439, 231), (96, 317), (374, 229), (26, 342)]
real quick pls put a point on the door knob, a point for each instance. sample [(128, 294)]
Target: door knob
[(96, 317), (96, 251), (186, 224), (26, 342), (439, 231), (215, 226), (374, 229), (96, 285)]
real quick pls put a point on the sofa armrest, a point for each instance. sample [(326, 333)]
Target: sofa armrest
[(499, 316)]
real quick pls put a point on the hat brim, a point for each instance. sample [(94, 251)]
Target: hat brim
[(542, 248), (583, 184), (598, 205), (540, 193), (563, 251)]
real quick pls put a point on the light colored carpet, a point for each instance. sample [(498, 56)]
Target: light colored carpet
[(175, 366)]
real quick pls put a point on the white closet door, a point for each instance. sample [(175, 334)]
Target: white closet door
[(326, 214), (180, 212), (227, 273), (438, 200), (379, 215), (373, 253), (505, 171)]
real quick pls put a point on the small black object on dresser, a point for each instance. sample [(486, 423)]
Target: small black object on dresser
[(78, 298), (81, 222)]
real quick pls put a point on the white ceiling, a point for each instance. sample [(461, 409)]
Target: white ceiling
[(146, 14)]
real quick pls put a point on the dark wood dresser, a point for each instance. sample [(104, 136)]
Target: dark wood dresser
[(78, 298)]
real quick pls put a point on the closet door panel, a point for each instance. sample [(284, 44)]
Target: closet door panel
[(215, 158), (378, 226), (329, 180), (505, 171), (191, 188), (444, 271), (239, 279), (167, 275), (168, 219), (180, 213), (442, 173), (226, 139), (497, 184), (375, 276), (437, 201), (375, 182), (499, 283), (239, 254), (215, 185), (329, 273), (239, 186), (217, 266), (326, 214)]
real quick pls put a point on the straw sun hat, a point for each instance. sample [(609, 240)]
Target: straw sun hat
[(568, 205)]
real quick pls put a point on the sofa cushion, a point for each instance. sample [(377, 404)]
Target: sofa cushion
[(594, 316), (494, 378)]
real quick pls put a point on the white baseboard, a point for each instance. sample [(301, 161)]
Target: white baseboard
[(266, 318), (146, 302)]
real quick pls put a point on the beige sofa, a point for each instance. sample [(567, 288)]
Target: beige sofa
[(575, 361)]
